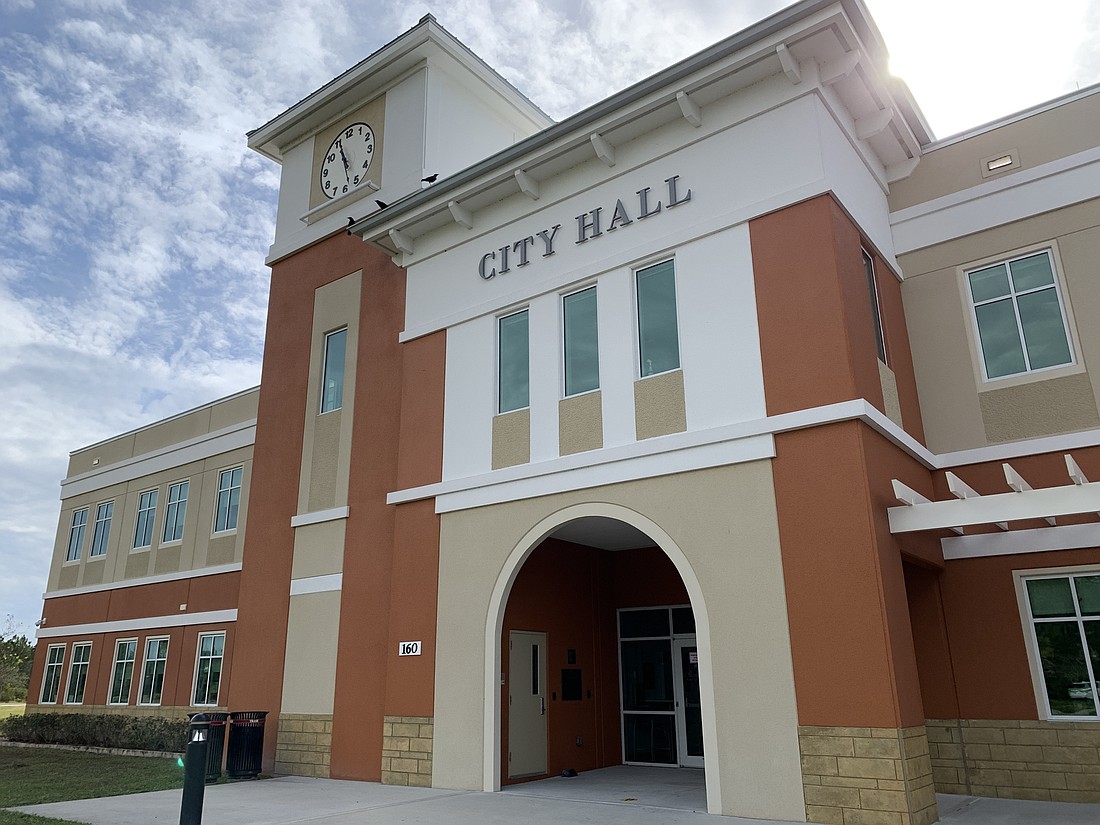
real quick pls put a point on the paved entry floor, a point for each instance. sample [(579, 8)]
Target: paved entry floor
[(291, 800), (679, 789)]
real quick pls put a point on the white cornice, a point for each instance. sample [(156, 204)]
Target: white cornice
[(319, 516), (332, 582), (145, 580), (146, 623)]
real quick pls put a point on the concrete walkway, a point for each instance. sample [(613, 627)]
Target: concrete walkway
[(614, 796)]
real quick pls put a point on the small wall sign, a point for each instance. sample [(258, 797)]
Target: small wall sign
[(693, 658), (408, 648)]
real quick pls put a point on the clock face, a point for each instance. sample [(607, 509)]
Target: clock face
[(347, 160)]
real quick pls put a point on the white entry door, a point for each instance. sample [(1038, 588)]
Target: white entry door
[(526, 704), (689, 711)]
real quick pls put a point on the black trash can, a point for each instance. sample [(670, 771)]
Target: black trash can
[(246, 744), (215, 744)]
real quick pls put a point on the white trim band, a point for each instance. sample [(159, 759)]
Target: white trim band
[(317, 584), (144, 580), (319, 516), (148, 623)]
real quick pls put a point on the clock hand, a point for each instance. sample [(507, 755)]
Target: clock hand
[(344, 158)]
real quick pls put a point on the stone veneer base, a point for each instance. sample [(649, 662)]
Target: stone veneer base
[(1016, 759), (867, 776), (304, 744), (407, 750)]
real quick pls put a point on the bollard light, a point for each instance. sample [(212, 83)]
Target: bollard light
[(194, 771)]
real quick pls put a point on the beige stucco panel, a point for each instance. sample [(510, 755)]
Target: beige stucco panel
[(233, 410), (318, 549), (580, 423), (659, 405), (325, 461), (890, 400), (511, 438), (309, 671), (724, 522), (1080, 256), (1059, 405)]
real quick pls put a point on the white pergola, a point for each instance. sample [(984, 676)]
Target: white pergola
[(1021, 502)]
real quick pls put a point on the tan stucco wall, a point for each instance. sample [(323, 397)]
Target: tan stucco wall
[(890, 393), (580, 423), (511, 438), (326, 440), (723, 522), (318, 549), (945, 353), (659, 405), (309, 672)]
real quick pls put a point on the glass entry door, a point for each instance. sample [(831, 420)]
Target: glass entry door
[(689, 712)]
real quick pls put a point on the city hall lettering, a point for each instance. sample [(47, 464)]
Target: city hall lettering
[(589, 226)]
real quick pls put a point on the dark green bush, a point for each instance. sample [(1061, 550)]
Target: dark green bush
[(151, 733)]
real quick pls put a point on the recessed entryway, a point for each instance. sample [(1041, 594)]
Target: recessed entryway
[(681, 790)]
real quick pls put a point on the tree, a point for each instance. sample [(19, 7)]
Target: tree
[(16, 658)]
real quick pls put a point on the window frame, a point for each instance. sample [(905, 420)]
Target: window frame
[(150, 524), (101, 535), (637, 322), (84, 665), (198, 662), (1069, 327), (75, 548), (175, 512), (145, 662), (564, 297), (1031, 643), (219, 491), (499, 319), (57, 667), (877, 322), (322, 407), (115, 662)]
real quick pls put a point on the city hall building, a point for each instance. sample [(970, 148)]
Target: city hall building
[(733, 423)]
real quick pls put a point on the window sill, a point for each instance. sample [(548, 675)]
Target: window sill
[(224, 533), (1034, 377), (70, 563), (145, 549), (100, 557), (173, 543)]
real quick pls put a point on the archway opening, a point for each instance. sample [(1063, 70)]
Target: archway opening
[(599, 656)]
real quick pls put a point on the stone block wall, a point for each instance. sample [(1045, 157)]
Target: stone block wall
[(165, 712), (1057, 761), (304, 744), (867, 776), (407, 750)]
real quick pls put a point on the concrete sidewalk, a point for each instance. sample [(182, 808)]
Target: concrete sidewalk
[(288, 800)]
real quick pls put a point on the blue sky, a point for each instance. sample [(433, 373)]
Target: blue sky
[(134, 221)]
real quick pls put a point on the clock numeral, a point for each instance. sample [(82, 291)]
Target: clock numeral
[(366, 163), (370, 148), (349, 133), (332, 157), (328, 184), (324, 174), (345, 189), (355, 181)]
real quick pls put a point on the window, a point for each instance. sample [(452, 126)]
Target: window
[(152, 674), (658, 341), (876, 313), (332, 380), (1065, 625), (1019, 316), (51, 675), (76, 534), (176, 510), (78, 673), (122, 674), (513, 363), (102, 532), (229, 499), (147, 513), (208, 668), (582, 354)]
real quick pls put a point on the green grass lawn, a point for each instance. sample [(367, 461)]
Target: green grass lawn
[(33, 776), (11, 709), (13, 818)]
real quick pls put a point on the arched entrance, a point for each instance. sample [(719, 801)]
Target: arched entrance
[(606, 607)]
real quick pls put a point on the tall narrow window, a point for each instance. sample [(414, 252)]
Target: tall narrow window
[(152, 674), (514, 363), (51, 675), (208, 668), (229, 499), (176, 511), (582, 352), (78, 673), (76, 534), (332, 381), (146, 515), (876, 312), (1065, 625), (658, 338), (101, 535), (122, 674), (1019, 316)]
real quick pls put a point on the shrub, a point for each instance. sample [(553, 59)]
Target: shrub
[(152, 733)]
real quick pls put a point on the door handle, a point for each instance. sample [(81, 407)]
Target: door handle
[(542, 705)]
